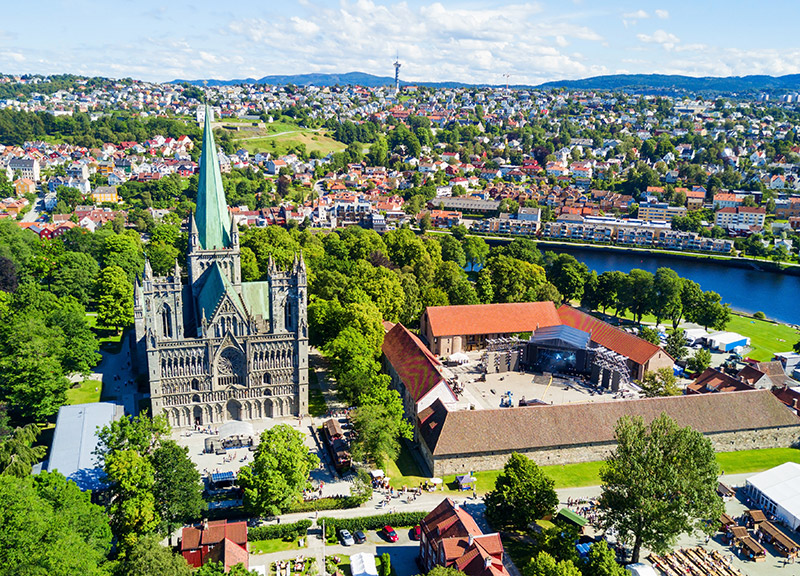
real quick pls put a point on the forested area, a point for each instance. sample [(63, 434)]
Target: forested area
[(18, 127)]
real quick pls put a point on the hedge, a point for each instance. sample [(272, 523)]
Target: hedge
[(329, 503), (279, 531), (398, 519)]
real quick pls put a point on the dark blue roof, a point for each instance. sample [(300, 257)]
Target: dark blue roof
[(222, 476)]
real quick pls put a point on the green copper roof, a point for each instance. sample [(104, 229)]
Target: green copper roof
[(212, 208), (256, 298), (214, 288)]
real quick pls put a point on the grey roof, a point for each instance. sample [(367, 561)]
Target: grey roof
[(75, 440), (561, 334)]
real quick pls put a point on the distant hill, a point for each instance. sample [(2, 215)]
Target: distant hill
[(728, 84), (630, 82), (347, 79)]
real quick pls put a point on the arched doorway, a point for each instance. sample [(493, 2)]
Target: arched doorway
[(198, 415), (234, 410)]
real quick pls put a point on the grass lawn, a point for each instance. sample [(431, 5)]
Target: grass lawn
[(110, 340), (275, 545), (406, 472), (756, 460), (766, 338), (316, 401), (86, 392), (279, 145)]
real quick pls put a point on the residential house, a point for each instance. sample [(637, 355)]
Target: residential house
[(24, 186), (450, 537), (726, 200), (217, 541), (105, 194)]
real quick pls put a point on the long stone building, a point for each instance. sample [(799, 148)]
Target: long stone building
[(460, 441), (219, 349)]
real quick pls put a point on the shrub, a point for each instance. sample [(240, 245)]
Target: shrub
[(279, 531), (386, 564), (396, 520), (760, 316)]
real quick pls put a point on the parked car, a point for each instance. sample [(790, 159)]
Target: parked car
[(416, 532), (390, 534), (346, 538), (360, 537)]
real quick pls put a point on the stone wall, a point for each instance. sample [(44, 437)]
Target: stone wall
[(723, 442)]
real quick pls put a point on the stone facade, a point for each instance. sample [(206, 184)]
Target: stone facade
[(722, 442), (218, 349)]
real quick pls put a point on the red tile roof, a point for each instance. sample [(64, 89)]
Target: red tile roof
[(229, 553), (638, 350), (419, 370), (712, 380), (491, 318)]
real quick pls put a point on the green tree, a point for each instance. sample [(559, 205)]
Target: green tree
[(515, 280), (452, 250), (522, 493), (114, 295), (699, 361), (379, 423), (18, 453), (132, 507), (649, 334), (612, 287), (75, 276), (543, 564), (425, 223), (667, 288), (602, 561), (676, 344), (162, 257), (69, 196), (592, 297), (568, 275), (48, 526), (659, 482), (177, 489), (476, 251), (149, 558), (662, 382), (711, 312), (483, 287), (459, 232), (279, 471), (638, 293)]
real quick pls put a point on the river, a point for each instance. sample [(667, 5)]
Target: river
[(776, 295)]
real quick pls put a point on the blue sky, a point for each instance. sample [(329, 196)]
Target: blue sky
[(465, 41)]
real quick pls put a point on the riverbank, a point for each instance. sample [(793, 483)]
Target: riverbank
[(741, 262)]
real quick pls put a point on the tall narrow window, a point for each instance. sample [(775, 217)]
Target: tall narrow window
[(288, 311), (166, 321)]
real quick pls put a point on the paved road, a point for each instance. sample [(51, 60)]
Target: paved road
[(38, 207)]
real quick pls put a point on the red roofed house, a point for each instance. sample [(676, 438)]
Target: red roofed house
[(416, 373), (217, 541), (450, 537)]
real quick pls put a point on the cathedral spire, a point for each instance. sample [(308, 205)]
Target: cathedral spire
[(212, 208)]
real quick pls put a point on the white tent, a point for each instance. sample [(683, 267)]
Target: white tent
[(694, 334), (777, 490), (641, 569), (436, 481), (376, 473), (236, 428), (458, 358), (363, 564)]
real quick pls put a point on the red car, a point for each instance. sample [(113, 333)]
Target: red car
[(416, 533), (390, 534)]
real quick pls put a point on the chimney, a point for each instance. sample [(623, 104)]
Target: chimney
[(487, 562), (470, 540), (205, 523)]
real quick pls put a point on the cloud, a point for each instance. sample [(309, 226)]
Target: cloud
[(663, 14), (638, 15), (665, 39), (434, 40)]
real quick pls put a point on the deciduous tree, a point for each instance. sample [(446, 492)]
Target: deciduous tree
[(522, 493), (279, 471), (676, 344), (699, 361), (658, 483), (662, 382), (114, 295)]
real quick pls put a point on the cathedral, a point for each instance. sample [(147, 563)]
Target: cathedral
[(218, 349)]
